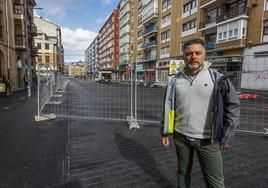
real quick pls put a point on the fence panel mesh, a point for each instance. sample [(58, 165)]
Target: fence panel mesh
[(113, 97)]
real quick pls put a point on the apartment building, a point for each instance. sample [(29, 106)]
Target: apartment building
[(92, 57), (158, 37), (147, 39), (169, 37), (152, 33), (17, 50), (49, 44), (125, 38), (8, 69), (109, 47)]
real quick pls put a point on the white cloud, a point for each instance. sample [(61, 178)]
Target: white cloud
[(106, 2), (75, 43), (58, 7)]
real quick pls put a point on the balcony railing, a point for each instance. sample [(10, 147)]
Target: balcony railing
[(149, 44), (150, 29), (147, 58), (232, 14), (225, 16)]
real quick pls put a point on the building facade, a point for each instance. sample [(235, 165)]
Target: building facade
[(109, 48), (17, 50), (92, 58), (49, 45), (152, 33), (8, 69), (125, 38)]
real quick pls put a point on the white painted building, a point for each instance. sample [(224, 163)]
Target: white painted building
[(255, 68), (49, 44)]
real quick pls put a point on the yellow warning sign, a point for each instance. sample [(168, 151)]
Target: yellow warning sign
[(173, 71), (174, 65)]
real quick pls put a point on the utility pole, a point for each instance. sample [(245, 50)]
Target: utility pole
[(27, 59)]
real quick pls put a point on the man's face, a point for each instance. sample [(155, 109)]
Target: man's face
[(194, 56)]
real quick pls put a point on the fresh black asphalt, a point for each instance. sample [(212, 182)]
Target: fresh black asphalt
[(75, 151)]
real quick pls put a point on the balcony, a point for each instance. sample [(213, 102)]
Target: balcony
[(147, 58), (205, 3), (150, 29), (225, 16), (232, 14), (210, 45), (149, 44), (33, 29), (19, 41), (149, 12)]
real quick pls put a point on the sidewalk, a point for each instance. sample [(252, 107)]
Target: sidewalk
[(32, 154)]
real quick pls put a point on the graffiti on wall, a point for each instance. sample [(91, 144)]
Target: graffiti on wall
[(257, 74)]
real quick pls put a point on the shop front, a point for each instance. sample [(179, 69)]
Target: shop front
[(229, 64)]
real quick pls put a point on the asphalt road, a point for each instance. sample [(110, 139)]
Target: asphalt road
[(84, 99), (90, 145)]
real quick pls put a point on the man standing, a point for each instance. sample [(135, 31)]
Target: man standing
[(202, 111)]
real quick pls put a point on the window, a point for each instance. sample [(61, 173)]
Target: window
[(241, 7), (186, 8), (266, 5), (39, 46), (165, 21), (236, 32), (47, 46), (211, 16), (165, 36), (166, 4), (265, 28), (230, 33), (39, 59), (189, 25), (220, 36), (193, 4), (225, 34), (17, 8), (47, 59), (164, 52)]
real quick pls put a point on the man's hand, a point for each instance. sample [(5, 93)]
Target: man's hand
[(224, 146), (165, 140)]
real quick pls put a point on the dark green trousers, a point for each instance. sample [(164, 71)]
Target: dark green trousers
[(210, 160)]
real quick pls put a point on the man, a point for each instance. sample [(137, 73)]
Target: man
[(202, 111)]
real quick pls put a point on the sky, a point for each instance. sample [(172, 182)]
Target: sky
[(80, 21)]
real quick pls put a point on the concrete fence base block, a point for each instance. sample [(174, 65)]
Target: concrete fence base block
[(45, 117), (133, 124), (57, 96), (54, 102), (265, 132)]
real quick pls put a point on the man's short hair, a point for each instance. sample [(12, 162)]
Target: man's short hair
[(194, 41)]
